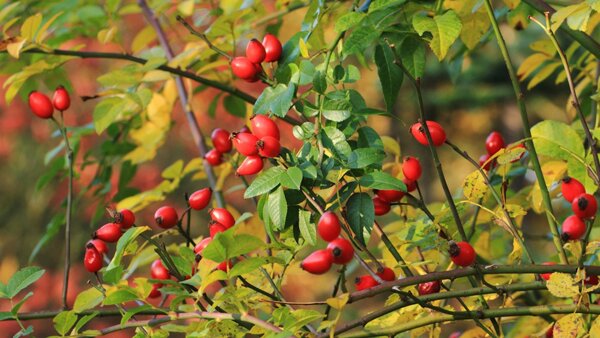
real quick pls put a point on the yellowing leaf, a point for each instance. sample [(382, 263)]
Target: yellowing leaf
[(143, 38), (390, 145), (43, 32), (186, 8), (475, 25), (571, 325), (474, 186), (303, 48), (595, 329), (30, 27), (577, 16), (562, 285), (444, 30), (543, 74), (106, 35), (338, 302), (531, 64), (14, 49)]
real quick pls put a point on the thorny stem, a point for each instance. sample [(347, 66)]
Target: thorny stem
[(535, 161), (68, 213)]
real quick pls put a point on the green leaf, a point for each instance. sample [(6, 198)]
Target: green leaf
[(22, 279), (335, 140), (246, 266), (556, 140), (133, 311), (5, 315), (291, 178), (119, 296), (64, 321), (277, 207), (390, 75), (16, 307), (276, 100), (307, 228), (124, 241), (412, 54), (264, 182), (383, 4), (361, 214), (348, 20), (84, 320), (320, 82), (87, 299), (360, 39), (225, 246), (382, 180), (336, 110), (235, 106), (444, 29), (369, 138), (364, 157), (52, 229)]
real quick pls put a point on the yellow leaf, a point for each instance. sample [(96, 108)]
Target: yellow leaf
[(156, 76), (516, 253), (186, 7), (142, 39), (303, 48), (562, 285), (31, 26), (543, 74), (390, 145), (530, 64), (338, 302), (43, 32), (14, 49), (106, 35), (571, 325), (512, 4), (475, 25), (508, 155), (595, 329), (6, 10), (474, 186), (543, 46)]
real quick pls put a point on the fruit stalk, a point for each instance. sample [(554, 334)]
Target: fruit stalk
[(535, 161), (68, 212)]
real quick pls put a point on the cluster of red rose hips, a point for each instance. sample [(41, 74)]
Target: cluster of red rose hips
[(248, 67), (43, 108), (583, 205), (411, 168), (493, 144), (338, 251), (262, 142)]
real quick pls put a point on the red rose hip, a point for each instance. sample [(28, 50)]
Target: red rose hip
[(255, 51), (571, 188), (342, 250), (126, 218), (245, 143), (273, 48), (494, 142), (318, 262), (252, 165), (584, 206), (573, 228), (411, 168), (93, 259), (40, 105), (223, 216), (462, 253), (166, 217), (329, 227), (429, 288), (199, 199), (381, 207), (61, 99), (263, 126), (158, 271), (438, 135), (214, 157), (109, 232), (221, 140), (243, 68), (365, 282)]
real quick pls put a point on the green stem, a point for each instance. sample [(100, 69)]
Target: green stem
[(482, 314), (535, 161), (68, 213), (390, 246)]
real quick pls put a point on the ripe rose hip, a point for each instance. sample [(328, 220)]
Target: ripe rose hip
[(109, 232), (166, 217), (245, 143), (215, 228), (494, 142), (573, 228), (591, 280), (273, 48), (224, 266), (462, 253), (158, 271), (263, 126), (410, 185), (40, 105), (387, 274), (223, 216), (429, 288), (381, 207), (252, 165), (269, 147), (390, 196), (201, 245), (93, 259), (155, 292), (61, 99), (546, 276), (213, 157), (199, 199), (571, 188), (411, 168), (318, 262), (483, 162), (342, 250), (221, 140), (126, 218), (255, 51), (584, 206), (365, 282), (99, 245), (328, 226), (243, 68), (438, 135)]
